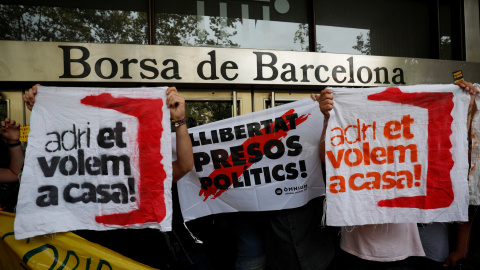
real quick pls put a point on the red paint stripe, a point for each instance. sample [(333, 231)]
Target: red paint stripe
[(152, 174), (440, 162), (215, 192)]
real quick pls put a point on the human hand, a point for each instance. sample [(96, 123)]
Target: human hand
[(453, 259), (176, 104), (469, 87), (10, 130), (29, 97), (325, 101)]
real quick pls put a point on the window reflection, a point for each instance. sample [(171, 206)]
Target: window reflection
[(4, 108), (332, 39), (278, 102), (445, 32), (66, 24), (268, 24), (203, 112), (399, 28)]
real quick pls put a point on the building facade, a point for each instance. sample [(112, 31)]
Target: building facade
[(234, 57)]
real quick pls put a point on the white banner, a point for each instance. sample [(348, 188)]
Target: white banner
[(266, 160), (96, 159), (397, 155)]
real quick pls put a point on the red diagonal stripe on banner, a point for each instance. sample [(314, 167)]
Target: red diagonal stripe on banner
[(214, 191), (440, 161), (152, 174)]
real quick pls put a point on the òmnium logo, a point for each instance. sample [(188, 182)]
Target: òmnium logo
[(291, 190)]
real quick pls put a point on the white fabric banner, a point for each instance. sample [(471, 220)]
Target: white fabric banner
[(266, 160), (397, 155), (96, 159)]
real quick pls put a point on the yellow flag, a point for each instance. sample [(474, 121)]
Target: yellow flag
[(62, 251)]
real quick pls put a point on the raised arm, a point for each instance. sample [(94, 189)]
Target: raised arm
[(462, 244), (11, 132), (462, 229), (472, 89), (472, 108), (325, 103), (184, 162)]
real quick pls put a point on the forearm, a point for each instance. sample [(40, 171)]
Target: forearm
[(184, 162), (321, 145), (16, 159), (463, 238), (10, 174), (7, 176)]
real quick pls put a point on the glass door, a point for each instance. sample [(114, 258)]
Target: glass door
[(12, 106), (265, 99), (208, 106)]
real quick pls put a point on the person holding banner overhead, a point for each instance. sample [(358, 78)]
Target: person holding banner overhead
[(383, 246), (12, 163), (435, 236), (377, 246), (150, 246)]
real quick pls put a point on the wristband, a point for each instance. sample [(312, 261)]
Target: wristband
[(14, 144), (180, 122)]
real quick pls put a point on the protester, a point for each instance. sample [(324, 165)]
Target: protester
[(385, 246), (152, 247), (463, 229), (11, 164), (296, 240), (249, 231), (375, 246), (471, 229), (439, 238)]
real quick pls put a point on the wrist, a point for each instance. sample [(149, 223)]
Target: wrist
[(180, 122), (13, 143)]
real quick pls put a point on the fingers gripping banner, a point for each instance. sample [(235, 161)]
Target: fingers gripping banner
[(397, 155), (266, 160), (96, 159)]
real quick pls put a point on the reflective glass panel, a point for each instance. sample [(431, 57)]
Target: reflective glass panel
[(204, 112), (385, 28), (265, 24), (73, 21), (445, 32), (4, 108), (268, 103)]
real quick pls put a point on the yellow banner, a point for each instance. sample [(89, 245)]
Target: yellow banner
[(24, 130), (60, 251)]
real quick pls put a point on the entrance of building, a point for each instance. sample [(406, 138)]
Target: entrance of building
[(210, 106), (203, 106)]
